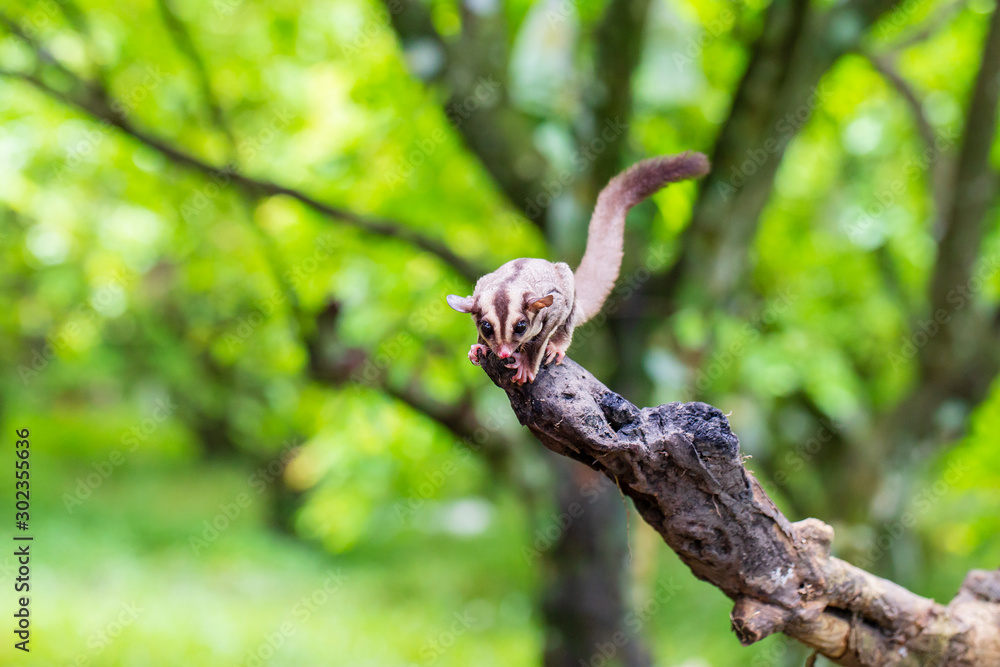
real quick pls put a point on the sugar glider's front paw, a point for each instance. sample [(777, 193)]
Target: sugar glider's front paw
[(522, 369), (554, 351), (475, 351)]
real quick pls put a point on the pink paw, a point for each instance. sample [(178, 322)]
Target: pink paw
[(553, 351), (522, 369), (475, 351)]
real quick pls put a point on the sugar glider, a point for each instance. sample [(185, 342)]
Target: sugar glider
[(527, 309)]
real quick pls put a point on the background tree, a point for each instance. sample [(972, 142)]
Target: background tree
[(252, 212)]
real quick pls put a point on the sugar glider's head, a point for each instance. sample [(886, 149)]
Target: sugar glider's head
[(505, 318)]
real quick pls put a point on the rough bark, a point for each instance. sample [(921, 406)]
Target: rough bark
[(681, 465)]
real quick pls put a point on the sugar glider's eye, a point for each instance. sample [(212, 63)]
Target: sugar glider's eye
[(520, 327), (486, 328)]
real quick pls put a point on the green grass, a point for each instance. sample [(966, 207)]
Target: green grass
[(121, 565), (251, 591)]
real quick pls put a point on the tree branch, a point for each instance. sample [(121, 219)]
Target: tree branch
[(942, 161), (334, 364), (975, 181), (474, 69), (941, 18), (961, 359), (774, 100), (682, 467), (89, 97), (619, 42), (182, 38), (45, 56), (885, 66), (217, 117), (78, 20)]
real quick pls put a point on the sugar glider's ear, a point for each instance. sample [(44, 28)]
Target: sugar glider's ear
[(462, 304), (538, 304)]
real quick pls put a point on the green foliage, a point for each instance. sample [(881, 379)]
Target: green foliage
[(126, 279)]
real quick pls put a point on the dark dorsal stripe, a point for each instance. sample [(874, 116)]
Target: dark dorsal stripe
[(501, 300), (501, 305)]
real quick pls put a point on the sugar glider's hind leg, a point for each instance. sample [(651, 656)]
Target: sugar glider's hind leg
[(556, 346)]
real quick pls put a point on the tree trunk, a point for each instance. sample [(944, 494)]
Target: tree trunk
[(776, 97), (585, 599)]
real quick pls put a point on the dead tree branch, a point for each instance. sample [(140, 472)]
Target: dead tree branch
[(681, 465)]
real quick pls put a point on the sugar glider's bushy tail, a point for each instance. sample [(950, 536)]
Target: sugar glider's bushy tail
[(602, 261)]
